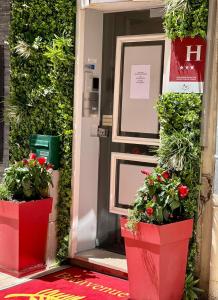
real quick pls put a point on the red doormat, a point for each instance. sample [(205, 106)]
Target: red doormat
[(70, 284)]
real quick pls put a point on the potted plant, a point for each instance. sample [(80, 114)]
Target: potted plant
[(157, 235), (24, 211)]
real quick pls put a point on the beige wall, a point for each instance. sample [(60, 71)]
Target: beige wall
[(207, 226), (213, 282), (52, 240)]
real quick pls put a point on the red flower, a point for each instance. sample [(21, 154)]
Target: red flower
[(25, 161), (41, 160), (49, 167), (32, 156), (149, 211), (159, 178), (183, 191), (150, 181), (145, 172), (166, 175)]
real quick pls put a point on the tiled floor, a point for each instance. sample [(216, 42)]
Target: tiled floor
[(7, 281)]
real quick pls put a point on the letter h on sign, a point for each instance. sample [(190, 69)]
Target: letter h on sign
[(190, 52)]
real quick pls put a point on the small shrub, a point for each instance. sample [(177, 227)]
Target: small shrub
[(159, 200), (27, 180)]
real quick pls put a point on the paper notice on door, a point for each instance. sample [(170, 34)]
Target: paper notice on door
[(140, 82)]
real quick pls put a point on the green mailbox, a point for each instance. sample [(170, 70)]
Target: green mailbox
[(46, 146)]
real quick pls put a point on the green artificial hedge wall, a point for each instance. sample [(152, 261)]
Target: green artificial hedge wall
[(42, 68), (186, 18), (180, 150), (180, 117)]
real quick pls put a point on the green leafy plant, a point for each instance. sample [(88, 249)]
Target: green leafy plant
[(191, 290), (179, 113), (26, 180), (186, 18), (159, 200), (183, 150), (4, 192)]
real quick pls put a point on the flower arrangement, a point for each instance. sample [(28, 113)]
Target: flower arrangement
[(27, 180), (159, 200)]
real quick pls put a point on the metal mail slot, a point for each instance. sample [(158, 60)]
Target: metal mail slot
[(107, 120)]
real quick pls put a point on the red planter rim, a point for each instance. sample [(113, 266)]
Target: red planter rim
[(158, 234)]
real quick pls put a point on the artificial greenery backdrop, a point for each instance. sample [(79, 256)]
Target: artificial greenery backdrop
[(180, 150), (180, 119), (186, 18), (42, 55)]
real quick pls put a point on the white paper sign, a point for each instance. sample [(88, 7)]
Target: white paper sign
[(140, 82)]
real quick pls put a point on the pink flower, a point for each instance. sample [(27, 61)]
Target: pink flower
[(149, 211), (154, 199), (32, 156), (145, 172), (41, 160), (183, 191)]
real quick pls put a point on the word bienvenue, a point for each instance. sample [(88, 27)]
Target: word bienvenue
[(95, 286)]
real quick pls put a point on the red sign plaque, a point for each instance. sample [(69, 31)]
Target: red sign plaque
[(187, 65)]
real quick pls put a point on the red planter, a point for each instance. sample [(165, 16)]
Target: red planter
[(23, 236), (156, 259)]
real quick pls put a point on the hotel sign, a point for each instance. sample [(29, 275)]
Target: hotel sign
[(186, 65)]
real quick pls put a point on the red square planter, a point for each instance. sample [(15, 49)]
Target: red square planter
[(23, 236), (156, 259)]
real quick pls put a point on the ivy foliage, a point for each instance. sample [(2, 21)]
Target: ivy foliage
[(186, 18), (42, 68), (180, 150)]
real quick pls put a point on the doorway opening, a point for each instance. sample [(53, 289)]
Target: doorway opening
[(115, 25), (100, 162)]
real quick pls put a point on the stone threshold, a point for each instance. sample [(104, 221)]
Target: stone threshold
[(102, 261)]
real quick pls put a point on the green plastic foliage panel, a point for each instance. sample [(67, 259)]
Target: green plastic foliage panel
[(46, 146), (41, 95)]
